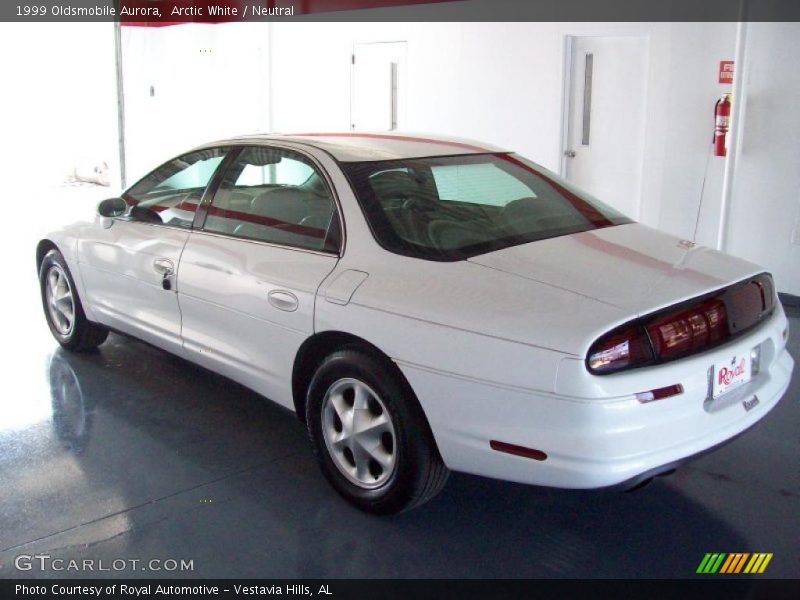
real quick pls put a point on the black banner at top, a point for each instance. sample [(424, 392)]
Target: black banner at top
[(174, 12)]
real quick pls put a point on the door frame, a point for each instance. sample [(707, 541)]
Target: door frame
[(567, 56)]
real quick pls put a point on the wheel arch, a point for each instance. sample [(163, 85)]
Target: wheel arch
[(320, 345), (42, 248)]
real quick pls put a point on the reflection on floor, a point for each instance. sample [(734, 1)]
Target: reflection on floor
[(130, 453)]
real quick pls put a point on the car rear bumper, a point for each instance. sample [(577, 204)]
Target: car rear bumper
[(593, 430)]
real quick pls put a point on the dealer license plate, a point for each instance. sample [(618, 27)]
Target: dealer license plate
[(731, 374)]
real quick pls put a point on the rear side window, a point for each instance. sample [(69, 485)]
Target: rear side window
[(277, 196)]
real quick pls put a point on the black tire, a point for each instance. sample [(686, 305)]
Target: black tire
[(82, 335), (418, 473)]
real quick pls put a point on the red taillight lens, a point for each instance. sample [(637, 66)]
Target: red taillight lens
[(620, 350), (750, 301), (678, 333)]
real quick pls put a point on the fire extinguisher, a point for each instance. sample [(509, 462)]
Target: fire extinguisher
[(722, 119)]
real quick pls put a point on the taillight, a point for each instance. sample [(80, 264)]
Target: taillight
[(679, 333), (685, 330), (620, 350)]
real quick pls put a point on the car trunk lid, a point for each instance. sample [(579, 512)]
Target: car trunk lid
[(631, 267)]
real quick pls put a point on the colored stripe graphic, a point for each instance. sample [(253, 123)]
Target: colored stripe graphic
[(711, 562), (741, 562), (727, 564), (758, 563), (733, 563)]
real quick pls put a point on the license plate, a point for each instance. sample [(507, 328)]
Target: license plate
[(731, 374)]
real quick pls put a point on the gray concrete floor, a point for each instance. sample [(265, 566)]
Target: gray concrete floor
[(130, 453)]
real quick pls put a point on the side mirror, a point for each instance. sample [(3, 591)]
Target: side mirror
[(112, 207)]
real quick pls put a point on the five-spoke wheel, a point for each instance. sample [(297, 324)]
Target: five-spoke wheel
[(59, 299), (62, 306), (370, 434), (359, 433)]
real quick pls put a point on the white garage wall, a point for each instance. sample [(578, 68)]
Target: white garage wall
[(208, 82), (765, 207), (498, 83), (686, 123)]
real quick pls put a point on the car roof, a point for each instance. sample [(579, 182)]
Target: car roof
[(369, 146)]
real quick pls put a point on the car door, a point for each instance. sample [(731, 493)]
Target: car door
[(249, 275), (129, 268)]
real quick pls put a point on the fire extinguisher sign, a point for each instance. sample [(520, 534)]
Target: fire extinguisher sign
[(726, 71)]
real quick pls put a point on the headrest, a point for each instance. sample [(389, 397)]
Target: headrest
[(261, 156)]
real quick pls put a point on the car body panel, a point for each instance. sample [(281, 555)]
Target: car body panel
[(633, 267), (229, 323), (442, 348), (123, 287)]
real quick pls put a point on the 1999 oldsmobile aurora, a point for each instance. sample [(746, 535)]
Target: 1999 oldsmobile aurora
[(427, 305)]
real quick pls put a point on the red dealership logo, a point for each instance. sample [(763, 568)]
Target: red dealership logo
[(727, 375)]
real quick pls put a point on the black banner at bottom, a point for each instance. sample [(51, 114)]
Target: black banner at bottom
[(389, 589)]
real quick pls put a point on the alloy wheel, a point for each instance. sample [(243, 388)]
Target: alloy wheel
[(359, 433), (60, 300)]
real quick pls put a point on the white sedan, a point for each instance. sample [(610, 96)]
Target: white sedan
[(427, 305)]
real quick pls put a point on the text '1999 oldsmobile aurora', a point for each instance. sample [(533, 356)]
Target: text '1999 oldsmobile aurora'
[(426, 305)]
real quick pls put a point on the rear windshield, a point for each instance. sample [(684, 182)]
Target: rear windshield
[(454, 207)]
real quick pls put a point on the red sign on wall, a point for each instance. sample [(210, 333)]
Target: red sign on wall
[(726, 71)]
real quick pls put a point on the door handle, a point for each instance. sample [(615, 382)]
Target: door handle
[(164, 266), (569, 153), (283, 300)]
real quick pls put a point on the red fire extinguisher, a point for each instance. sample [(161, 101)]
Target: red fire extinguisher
[(722, 118)]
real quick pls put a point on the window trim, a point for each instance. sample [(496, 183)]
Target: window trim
[(228, 148), (241, 238), (211, 189), (200, 220)]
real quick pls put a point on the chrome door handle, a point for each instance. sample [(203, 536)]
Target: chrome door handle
[(283, 300), (164, 266), (569, 153)]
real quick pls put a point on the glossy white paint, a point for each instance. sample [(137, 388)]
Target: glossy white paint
[(632, 267), (123, 285), (229, 323), (340, 289), (493, 346)]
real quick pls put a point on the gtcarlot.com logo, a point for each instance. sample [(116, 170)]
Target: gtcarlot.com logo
[(735, 562), (45, 562)]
